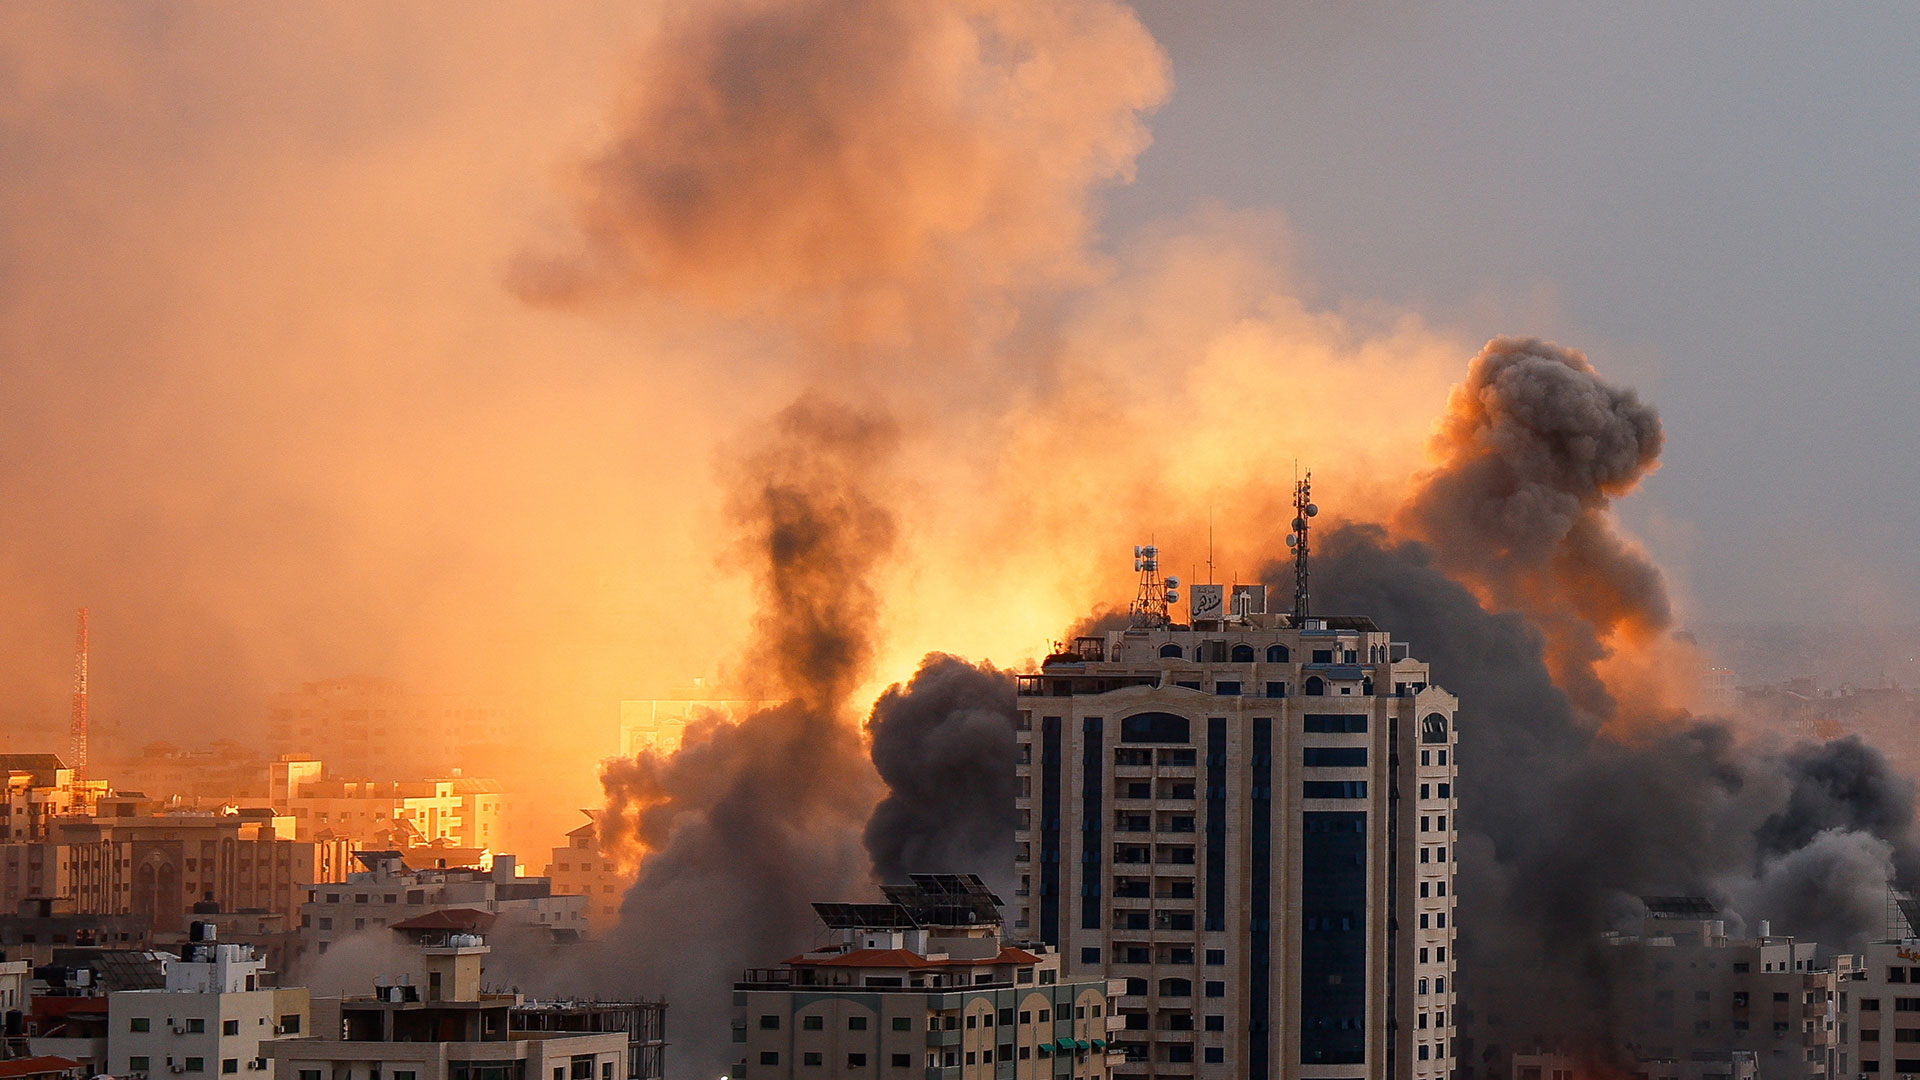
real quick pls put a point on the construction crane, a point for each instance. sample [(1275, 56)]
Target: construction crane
[(77, 731)]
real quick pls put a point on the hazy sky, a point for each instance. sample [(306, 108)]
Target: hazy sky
[(273, 410), (1720, 202)]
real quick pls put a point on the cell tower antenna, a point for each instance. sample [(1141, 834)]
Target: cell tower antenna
[(1150, 605), (77, 728), (1303, 512)]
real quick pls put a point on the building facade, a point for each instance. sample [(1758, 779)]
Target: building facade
[(922, 986), (452, 811), (445, 1026), (386, 892), (582, 868), (214, 1018), (1691, 993), (380, 728), (40, 789), (1250, 820)]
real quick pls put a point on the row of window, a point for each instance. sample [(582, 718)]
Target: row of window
[(195, 1025), (227, 1065)]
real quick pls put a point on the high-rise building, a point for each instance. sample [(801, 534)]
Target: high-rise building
[(922, 985), (1250, 819)]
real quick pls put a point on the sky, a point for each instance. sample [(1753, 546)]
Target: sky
[(1715, 200), (319, 354)]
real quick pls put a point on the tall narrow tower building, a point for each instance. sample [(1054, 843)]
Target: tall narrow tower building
[(1248, 817)]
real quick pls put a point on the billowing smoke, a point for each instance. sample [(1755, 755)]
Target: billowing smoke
[(1578, 795), (1532, 450), (944, 744), (747, 822)]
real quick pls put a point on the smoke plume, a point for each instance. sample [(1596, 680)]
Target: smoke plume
[(1533, 449), (944, 744), (746, 822)]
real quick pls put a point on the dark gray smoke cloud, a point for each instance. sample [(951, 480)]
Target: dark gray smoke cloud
[(944, 744), (748, 822), (1533, 448), (1563, 828)]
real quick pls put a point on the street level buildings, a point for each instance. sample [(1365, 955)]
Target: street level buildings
[(1249, 820), (923, 986), (385, 892)]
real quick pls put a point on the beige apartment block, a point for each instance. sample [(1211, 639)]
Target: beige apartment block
[(1249, 821), (160, 866), (386, 891), (582, 868), (453, 811), (214, 1018), (922, 986), (40, 789)]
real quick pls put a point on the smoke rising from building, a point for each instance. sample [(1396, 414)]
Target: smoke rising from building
[(746, 822), (944, 745)]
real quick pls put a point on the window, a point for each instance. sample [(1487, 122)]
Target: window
[(1869, 1004), (973, 1021), (229, 1027), (1276, 689), (230, 1065), (196, 1025), (1090, 955), (139, 1064), (769, 1022), (140, 1023), (1216, 957), (1276, 654), (1334, 757), (1216, 1023), (1216, 1055), (1335, 723), (1314, 687), (859, 1023), (1334, 789), (1906, 1004), (902, 1023), (856, 1061), (1898, 974), (1433, 729), (1153, 727), (902, 1061), (1226, 688), (1323, 656), (1243, 654), (290, 1025), (769, 1057), (1171, 651), (1216, 988), (309, 1074), (810, 1023), (195, 1064), (1176, 988), (811, 1057)]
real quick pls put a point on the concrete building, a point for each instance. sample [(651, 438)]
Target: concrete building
[(224, 770), (159, 867), (643, 1023), (582, 868), (39, 789), (385, 892), (41, 924), (443, 1027), (658, 724), (1250, 820), (919, 986), (1697, 994), (379, 728), (1880, 1010), (450, 811), (1732, 1065), (215, 1016)]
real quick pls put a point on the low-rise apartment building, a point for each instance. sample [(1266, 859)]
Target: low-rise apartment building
[(214, 1017), (385, 892), (583, 868), (443, 1027), (923, 985)]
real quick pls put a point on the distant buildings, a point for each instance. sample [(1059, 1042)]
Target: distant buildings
[(583, 868), (1250, 821), (378, 728), (922, 985), (454, 811), (1880, 1010), (38, 925), (386, 892), (658, 724), (39, 790), (215, 1016)]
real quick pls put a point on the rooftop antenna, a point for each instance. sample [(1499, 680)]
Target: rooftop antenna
[(77, 727), (1150, 605), (1303, 511)]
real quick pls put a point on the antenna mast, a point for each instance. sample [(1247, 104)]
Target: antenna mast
[(77, 728), (1303, 511), (1150, 606)]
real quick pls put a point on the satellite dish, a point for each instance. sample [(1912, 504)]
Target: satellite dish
[(1312, 510), (1292, 540), (1173, 582)]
